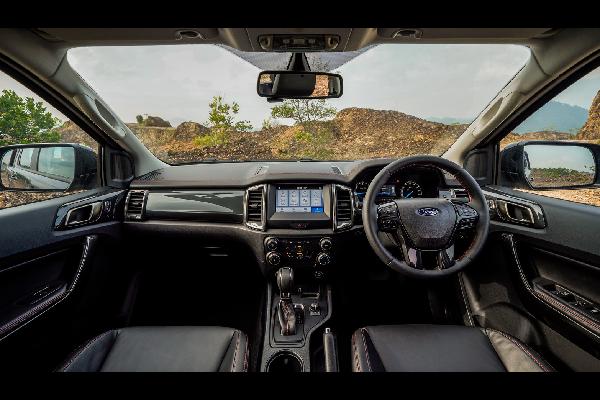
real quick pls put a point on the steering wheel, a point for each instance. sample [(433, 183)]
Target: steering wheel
[(426, 228)]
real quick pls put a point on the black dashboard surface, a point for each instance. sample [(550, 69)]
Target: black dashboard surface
[(245, 174)]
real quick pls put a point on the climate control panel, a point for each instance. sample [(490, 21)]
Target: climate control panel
[(309, 252)]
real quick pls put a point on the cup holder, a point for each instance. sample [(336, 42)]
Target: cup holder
[(284, 362)]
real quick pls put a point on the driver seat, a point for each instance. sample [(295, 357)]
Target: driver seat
[(441, 348)]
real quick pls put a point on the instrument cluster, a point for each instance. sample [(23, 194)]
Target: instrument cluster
[(409, 183)]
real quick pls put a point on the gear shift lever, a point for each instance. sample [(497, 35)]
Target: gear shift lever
[(285, 282), (285, 311)]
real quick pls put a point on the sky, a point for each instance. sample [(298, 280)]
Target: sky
[(177, 82), (572, 157)]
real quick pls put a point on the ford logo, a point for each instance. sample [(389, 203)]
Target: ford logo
[(428, 211)]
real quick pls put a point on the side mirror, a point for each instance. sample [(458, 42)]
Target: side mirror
[(299, 85), (549, 165), (47, 167)]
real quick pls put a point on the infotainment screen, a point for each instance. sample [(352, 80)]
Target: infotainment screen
[(299, 199)]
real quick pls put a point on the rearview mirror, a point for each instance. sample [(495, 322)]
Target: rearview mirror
[(549, 165), (299, 85), (47, 167)]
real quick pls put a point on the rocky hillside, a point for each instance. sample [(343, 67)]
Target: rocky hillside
[(591, 128), (354, 133)]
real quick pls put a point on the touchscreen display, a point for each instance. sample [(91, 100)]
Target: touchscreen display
[(300, 199)]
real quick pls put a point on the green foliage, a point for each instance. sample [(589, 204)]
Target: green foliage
[(139, 119), (221, 122), (222, 116), (303, 111), (23, 120), (268, 123)]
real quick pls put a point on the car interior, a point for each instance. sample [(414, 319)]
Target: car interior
[(446, 262)]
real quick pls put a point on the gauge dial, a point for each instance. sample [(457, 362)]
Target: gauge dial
[(410, 190)]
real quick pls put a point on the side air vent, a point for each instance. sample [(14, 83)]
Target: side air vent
[(336, 169), (135, 204), (255, 207), (343, 212)]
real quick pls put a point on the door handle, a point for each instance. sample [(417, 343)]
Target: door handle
[(84, 214), (513, 212)]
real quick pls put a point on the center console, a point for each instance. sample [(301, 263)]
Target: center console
[(299, 299)]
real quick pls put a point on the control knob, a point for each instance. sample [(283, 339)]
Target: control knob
[(326, 244), (273, 258), (272, 244), (323, 259)]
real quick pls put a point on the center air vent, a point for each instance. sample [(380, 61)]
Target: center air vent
[(255, 207), (135, 204), (343, 212)]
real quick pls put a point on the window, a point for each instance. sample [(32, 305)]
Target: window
[(565, 166), (37, 173), (57, 161)]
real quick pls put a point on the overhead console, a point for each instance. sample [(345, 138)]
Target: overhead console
[(299, 206)]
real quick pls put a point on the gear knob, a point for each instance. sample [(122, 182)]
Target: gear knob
[(285, 281)]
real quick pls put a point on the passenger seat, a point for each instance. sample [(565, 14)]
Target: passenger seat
[(163, 348)]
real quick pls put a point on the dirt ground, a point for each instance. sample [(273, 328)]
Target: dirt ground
[(585, 196)]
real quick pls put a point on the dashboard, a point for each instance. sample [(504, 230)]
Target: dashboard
[(287, 212)]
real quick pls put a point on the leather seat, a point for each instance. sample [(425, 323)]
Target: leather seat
[(164, 348), (441, 348)]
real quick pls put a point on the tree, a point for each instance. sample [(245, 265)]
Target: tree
[(222, 115), (139, 119), (23, 120), (303, 111), (221, 122)]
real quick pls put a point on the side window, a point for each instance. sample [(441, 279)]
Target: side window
[(52, 150), (556, 151)]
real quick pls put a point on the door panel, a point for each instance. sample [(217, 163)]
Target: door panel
[(42, 258), (542, 284)]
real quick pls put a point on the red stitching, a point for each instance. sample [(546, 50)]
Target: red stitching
[(580, 318), (84, 348), (356, 362), (366, 349), (237, 344), (246, 357), (538, 362)]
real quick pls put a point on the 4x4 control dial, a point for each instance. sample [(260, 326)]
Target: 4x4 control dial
[(273, 258), (323, 259)]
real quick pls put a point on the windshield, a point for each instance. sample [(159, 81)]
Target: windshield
[(191, 103)]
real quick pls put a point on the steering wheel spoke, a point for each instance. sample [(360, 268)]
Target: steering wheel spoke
[(466, 217), (388, 219), (428, 259)]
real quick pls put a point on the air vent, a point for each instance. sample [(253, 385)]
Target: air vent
[(336, 169), (255, 207), (135, 204), (344, 207)]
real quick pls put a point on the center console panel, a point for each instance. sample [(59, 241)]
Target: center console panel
[(307, 255)]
